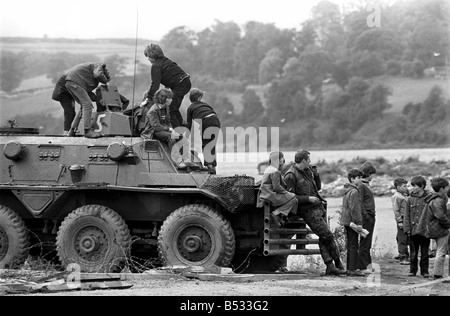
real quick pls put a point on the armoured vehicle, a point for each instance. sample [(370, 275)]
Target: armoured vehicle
[(110, 202)]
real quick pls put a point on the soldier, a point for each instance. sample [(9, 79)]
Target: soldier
[(77, 85), (304, 181)]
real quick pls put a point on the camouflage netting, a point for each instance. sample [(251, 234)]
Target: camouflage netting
[(234, 191)]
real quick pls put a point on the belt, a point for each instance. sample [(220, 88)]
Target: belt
[(210, 115), (184, 77)]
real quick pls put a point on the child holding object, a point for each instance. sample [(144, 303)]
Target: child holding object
[(351, 216), (273, 189)]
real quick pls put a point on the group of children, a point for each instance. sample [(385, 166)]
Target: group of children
[(422, 216)]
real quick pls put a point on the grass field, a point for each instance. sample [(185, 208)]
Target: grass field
[(405, 90)]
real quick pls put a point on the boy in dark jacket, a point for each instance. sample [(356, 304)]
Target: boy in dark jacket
[(351, 213), (438, 222), (210, 125), (167, 72), (368, 213), (415, 226)]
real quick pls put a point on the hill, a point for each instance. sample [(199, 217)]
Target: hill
[(406, 90)]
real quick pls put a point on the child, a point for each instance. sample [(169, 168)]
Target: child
[(210, 125), (438, 222), (368, 213), (158, 126), (351, 212), (399, 206), (415, 226), (273, 189)]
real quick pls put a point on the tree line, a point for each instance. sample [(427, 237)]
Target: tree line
[(294, 68)]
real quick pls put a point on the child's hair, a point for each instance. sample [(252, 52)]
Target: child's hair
[(398, 182), (419, 181), (162, 95), (153, 51), (438, 183), (195, 94), (353, 173), (275, 156), (367, 168)]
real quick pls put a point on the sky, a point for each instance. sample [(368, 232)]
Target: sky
[(86, 19)]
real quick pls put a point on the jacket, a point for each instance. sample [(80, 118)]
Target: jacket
[(415, 220), (82, 75), (157, 120), (351, 205), (165, 71), (438, 216), (139, 118), (273, 188), (198, 110), (87, 75), (304, 183), (398, 206), (367, 199)]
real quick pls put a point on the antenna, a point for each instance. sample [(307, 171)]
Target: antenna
[(134, 71)]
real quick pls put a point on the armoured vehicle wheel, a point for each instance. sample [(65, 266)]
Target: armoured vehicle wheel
[(13, 239), (95, 237), (196, 235)]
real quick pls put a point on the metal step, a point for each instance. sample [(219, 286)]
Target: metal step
[(296, 227), (278, 252), (288, 231), (291, 241)]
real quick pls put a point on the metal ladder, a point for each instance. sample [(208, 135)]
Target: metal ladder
[(278, 241)]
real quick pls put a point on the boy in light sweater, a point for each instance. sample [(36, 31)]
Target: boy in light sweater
[(399, 207)]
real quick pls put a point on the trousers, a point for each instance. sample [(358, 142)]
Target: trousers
[(315, 219), (179, 91)]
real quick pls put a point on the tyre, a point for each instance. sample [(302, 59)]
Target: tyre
[(14, 243), (94, 237), (196, 235)]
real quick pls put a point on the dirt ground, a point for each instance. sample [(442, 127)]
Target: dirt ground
[(392, 281), (305, 276)]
